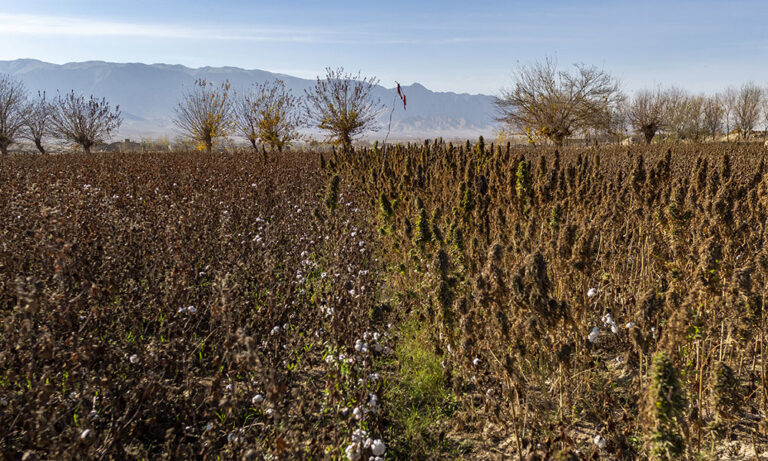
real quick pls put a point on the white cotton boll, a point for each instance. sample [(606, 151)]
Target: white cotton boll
[(378, 448), (353, 451), (275, 330), (358, 435), (228, 387), (329, 359), (357, 413), (600, 441), (373, 377), (476, 361), (86, 434), (630, 325), (134, 358), (593, 335), (258, 398), (269, 411), (191, 309), (376, 336), (591, 292), (609, 322), (367, 336)]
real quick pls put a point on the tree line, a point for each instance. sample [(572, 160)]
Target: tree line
[(545, 104), (84, 121), (268, 114)]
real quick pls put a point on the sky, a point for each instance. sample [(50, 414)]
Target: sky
[(447, 45)]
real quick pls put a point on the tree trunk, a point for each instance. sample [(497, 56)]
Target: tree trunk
[(253, 143), (4, 148), (39, 145), (87, 149), (649, 135), (346, 142)]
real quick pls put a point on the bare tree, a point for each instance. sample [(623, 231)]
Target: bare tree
[(12, 108), (614, 122), (84, 121), (714, 113), (684, 114), (270, 114), (765, 113), (38, 121), (554, 104), (647, 111), (747, 108), (729, 97), (205, 113), (343, 105)]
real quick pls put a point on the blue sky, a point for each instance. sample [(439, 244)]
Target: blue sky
[(463, 46)]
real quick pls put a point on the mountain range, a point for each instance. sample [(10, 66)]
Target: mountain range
[(148, 93)]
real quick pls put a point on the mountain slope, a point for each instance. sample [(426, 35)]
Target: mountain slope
[(148, 93)]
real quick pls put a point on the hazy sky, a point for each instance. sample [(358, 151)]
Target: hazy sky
[(463, 46)]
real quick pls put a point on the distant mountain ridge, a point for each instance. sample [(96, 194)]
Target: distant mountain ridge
[(148, 93)]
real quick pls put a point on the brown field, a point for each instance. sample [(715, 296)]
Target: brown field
[(443, 299)]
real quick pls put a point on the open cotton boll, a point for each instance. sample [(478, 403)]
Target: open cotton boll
[(378, 447), (593, 335), (600, 441), (591, 292), (353, 451), (359, 435), (609, 322)]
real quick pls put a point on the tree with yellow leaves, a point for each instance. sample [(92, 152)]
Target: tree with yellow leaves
[(205, 113), (269, 114), (343, 105)]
